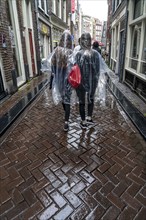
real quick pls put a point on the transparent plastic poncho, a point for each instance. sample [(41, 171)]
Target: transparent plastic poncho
[(93, 70), (92, 67), (60, 67)]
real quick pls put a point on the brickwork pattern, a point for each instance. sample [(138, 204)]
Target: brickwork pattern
[(6, 52), (94, 174), (7, 104), (35, 29)]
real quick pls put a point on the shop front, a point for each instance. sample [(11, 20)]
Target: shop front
[(45, 42), (56, 36)]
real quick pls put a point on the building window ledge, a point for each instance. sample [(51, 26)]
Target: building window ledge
[(139, 75), (137, 19)]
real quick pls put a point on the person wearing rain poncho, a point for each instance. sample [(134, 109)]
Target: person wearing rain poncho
[(61, 89), (90, 64)]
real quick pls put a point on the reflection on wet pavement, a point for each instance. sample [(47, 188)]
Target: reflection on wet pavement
[(136, 117), (7, 119), (98, 173)]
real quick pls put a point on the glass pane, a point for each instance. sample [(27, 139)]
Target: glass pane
[(47, 7), (136, 33), (143, 68), (144, 48), (133, 64), (42, 3), (138, 8)]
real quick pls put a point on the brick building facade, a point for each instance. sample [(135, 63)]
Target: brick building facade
[(29, 30), (19, 60)]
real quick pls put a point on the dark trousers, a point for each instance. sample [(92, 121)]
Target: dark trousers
[(66, 108), (81, 93)]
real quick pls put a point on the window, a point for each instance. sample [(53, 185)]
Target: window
[(60, 14), (143, 63), (41, 4), (136, 33), (54, 6), (117, 3), (117, 42), (64, 10), (138, 8), (46, 6), (136, 41), (41, 45), (58, 8)]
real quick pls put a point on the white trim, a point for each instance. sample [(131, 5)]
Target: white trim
[(117, 20), (15, 22), (139, 19), (64, 11), (41, 18), (34, 49), (26, 34), (54, 6), (26, 12), (139, 75), (131, 23), (60, 11)]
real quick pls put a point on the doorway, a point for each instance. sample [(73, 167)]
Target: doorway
[(31, 51), (121, 57), (2, 92)]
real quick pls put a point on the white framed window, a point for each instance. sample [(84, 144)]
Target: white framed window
[(64, 10), (18, 53), (136, 50), (59, 8), (41, 4), (54, 6), (138, 8), (116, 4), (135, 46), (143, 60)]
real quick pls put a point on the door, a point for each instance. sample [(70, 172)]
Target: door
[(121, 57), (2, 92), (31, 51)]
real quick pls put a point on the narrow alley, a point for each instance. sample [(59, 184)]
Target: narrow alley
[(92, 174)]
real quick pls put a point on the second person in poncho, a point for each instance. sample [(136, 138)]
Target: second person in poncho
[(61, 89)]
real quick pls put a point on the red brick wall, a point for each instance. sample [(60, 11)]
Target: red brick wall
[(6, 53), (35, 23)]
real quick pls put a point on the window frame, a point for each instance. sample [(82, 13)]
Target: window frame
[(133, 22), (136, 6)]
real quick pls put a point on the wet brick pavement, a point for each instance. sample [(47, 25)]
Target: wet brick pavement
[(7, 103), (46, 173)]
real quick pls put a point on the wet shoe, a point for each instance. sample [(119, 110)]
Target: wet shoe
[(66, 126), (90, 122), (83, 125)]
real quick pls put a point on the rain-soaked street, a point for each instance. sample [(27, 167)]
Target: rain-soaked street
[(94, 174)]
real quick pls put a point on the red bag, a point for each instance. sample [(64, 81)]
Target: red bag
[(74, 76)]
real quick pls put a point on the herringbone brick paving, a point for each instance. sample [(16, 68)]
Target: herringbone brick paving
[(99, 173)]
